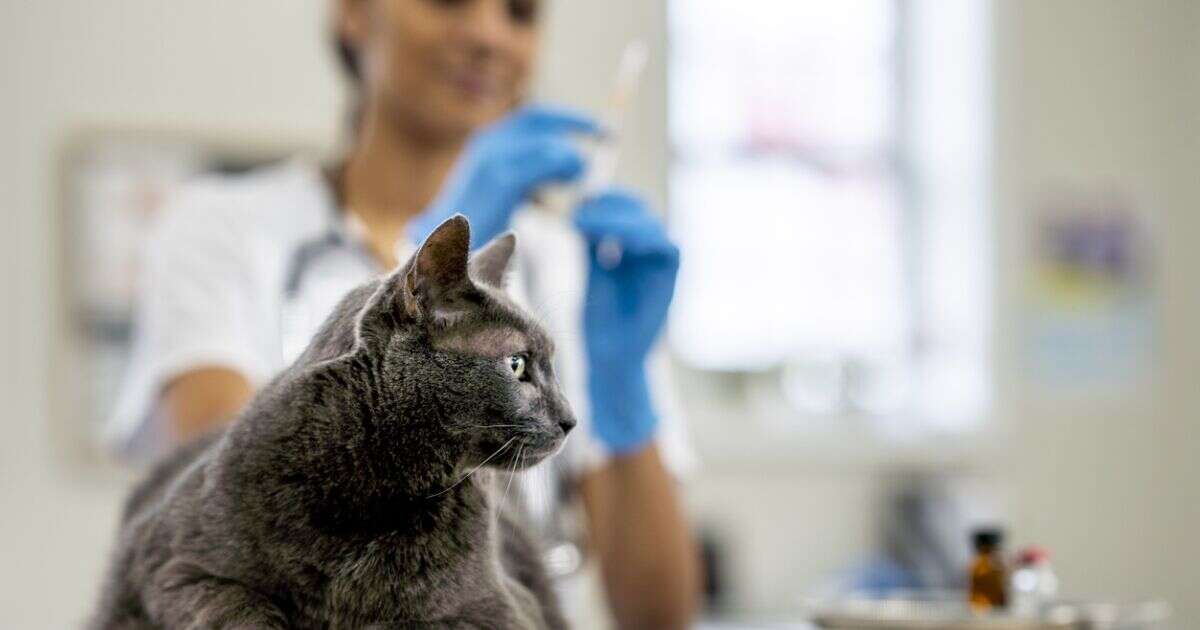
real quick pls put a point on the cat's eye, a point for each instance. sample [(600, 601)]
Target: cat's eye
[(516, 363)]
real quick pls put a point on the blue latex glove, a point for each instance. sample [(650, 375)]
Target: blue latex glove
[(630, 281), (502, 165)]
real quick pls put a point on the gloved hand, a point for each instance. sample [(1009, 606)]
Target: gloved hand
[(501, 166), (630, 281)]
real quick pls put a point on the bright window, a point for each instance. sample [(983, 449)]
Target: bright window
[(829, 188)]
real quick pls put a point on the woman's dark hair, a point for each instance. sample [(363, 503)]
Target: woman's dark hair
[(349, 58), (352, 66)]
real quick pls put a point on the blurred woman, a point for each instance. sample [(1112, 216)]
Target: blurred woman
[(241, 271)]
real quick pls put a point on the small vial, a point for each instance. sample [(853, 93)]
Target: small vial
[(1034, 583), (988, 579)]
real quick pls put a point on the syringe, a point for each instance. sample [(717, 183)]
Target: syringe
[(601, 151)]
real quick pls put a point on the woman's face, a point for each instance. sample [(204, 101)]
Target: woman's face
[(444, 67)]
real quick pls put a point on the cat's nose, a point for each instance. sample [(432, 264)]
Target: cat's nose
[(566, 423)]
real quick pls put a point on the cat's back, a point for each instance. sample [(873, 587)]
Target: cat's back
[(120, 601), (163, 475)]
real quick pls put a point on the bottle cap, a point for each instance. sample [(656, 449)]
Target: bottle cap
[(1034, 555), (987, 537)]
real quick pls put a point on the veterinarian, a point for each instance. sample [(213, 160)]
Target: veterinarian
[(241, 271)]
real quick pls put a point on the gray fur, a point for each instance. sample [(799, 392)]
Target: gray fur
[(337, 499)]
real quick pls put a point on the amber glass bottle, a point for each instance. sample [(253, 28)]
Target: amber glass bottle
[(989, 580)]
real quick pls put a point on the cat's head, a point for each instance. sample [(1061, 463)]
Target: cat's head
[(472, 370)]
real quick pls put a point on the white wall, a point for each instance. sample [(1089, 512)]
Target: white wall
[(1087, 90), (1090, 93)]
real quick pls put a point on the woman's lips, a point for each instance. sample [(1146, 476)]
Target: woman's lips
[(475, 86)]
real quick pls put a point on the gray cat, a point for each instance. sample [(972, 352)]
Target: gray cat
[(343, 496)]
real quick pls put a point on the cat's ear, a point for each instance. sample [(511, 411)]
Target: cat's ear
[(437, 271), (489, 264), (426, 289)]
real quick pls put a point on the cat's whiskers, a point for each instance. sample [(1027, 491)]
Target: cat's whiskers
[(512, 473), (546, 484), (539, 492), (473, 470)]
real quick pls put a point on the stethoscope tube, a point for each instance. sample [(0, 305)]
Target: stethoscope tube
[(303, 258), (299, 264)]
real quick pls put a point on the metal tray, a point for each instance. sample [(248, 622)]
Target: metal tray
[(951, 613), (902, 614)]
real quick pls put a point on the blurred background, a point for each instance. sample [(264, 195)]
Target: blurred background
[(939, 268)]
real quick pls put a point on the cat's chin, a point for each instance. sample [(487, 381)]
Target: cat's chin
[(526, 456)]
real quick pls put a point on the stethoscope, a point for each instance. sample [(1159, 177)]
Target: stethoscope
[(305, 255)]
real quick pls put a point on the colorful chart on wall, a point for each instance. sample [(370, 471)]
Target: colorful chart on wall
[(1089, 317)]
